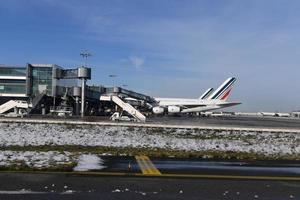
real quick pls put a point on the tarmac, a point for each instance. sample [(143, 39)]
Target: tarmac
[(160, 178), (230, 121), (226, 123), (141, 177)]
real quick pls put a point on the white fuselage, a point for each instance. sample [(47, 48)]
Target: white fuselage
[(191, 105), (208, 101), (184, 102)]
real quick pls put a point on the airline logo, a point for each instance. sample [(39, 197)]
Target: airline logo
[(222, 93)]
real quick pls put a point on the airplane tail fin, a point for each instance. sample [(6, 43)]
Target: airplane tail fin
[(222, 93), (206, 94)]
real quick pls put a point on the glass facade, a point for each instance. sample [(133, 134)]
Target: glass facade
[(41, 80), (35, 79), (12, 86), (12, 71)]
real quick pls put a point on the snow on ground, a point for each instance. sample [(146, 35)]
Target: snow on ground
[(268, 143), (33, 159), (89, 162), (20, 192), (44, 160)]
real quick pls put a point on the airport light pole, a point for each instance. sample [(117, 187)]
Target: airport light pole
[(85, 55), (113, 76), (83, 84)]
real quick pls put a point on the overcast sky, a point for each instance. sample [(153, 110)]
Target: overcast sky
[(166, 48)]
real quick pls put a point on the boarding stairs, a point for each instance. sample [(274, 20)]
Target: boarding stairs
[(13, 104), (125, 106)]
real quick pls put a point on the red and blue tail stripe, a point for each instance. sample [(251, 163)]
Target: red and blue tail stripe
[(222, 93)]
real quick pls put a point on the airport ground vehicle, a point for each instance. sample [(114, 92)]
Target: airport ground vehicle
[(117, 116)]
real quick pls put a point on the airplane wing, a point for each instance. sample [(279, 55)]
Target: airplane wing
[(227, 104), (203, 108), (200, 109)]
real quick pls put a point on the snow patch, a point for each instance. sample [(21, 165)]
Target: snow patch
[(263, 142), (23, 191), (34, 159), (68, 192), (89, 162)]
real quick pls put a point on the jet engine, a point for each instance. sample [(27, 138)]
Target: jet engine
[(173, 109), (158, 110)]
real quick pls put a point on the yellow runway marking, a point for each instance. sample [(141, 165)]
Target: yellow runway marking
[(146, 166)]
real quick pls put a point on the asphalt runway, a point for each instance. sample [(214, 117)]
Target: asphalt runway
[(181, 120), (223, 121), (129, 164), (59, 186), (229, 121), (160, 178)]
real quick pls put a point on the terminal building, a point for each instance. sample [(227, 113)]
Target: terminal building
[(30, 80), (51, 89)]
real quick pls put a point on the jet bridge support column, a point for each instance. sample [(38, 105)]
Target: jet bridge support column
[(84, 73), (83, 83), (76, 94)]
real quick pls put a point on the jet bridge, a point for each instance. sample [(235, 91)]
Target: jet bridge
[(128, 93), (118, 95)]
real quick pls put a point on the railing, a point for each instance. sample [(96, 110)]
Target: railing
[(129, 93), (61, 108)]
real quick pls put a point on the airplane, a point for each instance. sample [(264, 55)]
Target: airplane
[(209, 100), (206, 94)]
